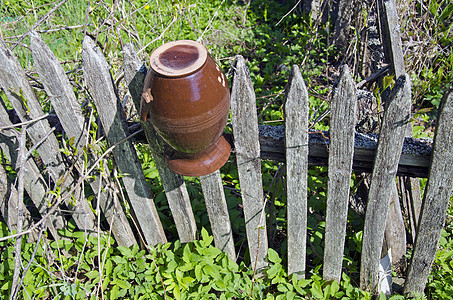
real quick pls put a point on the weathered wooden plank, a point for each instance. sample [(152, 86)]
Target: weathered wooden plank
[(246, 140), (296, 144), (112, 116), (34, 183), (391, 33), (414, 160), (218, 213), (436, 199), (341, 17), (393, 50), (22, 97), (388, 153), (343, 119), (174, 185), (395, 231), (10, 203), (64, 101)]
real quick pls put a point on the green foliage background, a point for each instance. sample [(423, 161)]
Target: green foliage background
[(272, 41)]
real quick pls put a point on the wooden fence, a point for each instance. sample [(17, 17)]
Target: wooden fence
[(385, 156)]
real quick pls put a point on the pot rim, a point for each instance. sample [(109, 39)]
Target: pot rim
[(167, 66)]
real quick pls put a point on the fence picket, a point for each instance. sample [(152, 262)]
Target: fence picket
[(436, 199), (218, 212), (388, 153), (391, 37), (246, 140), (174, 185), (296, 144), (99, 82), (34, 183), (22, 97), (70, 115), (343, 120), (11, 207)]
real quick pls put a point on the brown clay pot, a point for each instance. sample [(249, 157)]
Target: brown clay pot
[(186, 97)]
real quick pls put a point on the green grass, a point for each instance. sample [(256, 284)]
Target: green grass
[(227, 28)]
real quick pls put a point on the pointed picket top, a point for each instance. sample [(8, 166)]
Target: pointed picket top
[(343, 119), (296, 144), (436, 200), (246, 140), (388, 153), (15, 84), (100, 83), (65, 103), (174, 185)]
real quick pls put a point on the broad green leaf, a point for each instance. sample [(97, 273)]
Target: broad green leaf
[(122, 284), (273, 270), (207, 239), (335, 287), (198, 272), (316, 291), (273, 256)]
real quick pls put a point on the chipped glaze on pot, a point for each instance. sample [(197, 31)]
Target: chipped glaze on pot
[(187, 98)]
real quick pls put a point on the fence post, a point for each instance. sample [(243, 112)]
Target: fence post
[(395, 236), (218, 213), (343, 119), (100, 84), (436, 199), (22, 97), (246, 140), (174, 186), (34, 183), (11, 207), (388, 153), (70, 115), (296, 144)]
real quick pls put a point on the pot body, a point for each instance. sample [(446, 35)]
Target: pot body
[(187, 98)]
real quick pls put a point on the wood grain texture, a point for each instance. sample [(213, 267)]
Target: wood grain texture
[(22, 97), (100, 83), (391, 33), (395, 231), (219, 217), (389, 147), (10, 204), (246, 140), (174, 185), (343, 120), (395, 236), (296, 144), (64, 101), (34, 183), (414, 160), (436, 199)]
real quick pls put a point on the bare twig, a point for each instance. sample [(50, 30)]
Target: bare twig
[(373, 76), (43, 227), (75, 186), (17, 253), (160, 36), (216, 13), (38, 23), (294, 7)]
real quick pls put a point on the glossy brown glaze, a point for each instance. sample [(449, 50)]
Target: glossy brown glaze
[(187, 100)]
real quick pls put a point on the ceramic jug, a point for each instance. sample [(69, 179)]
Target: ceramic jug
[(186, 97)]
